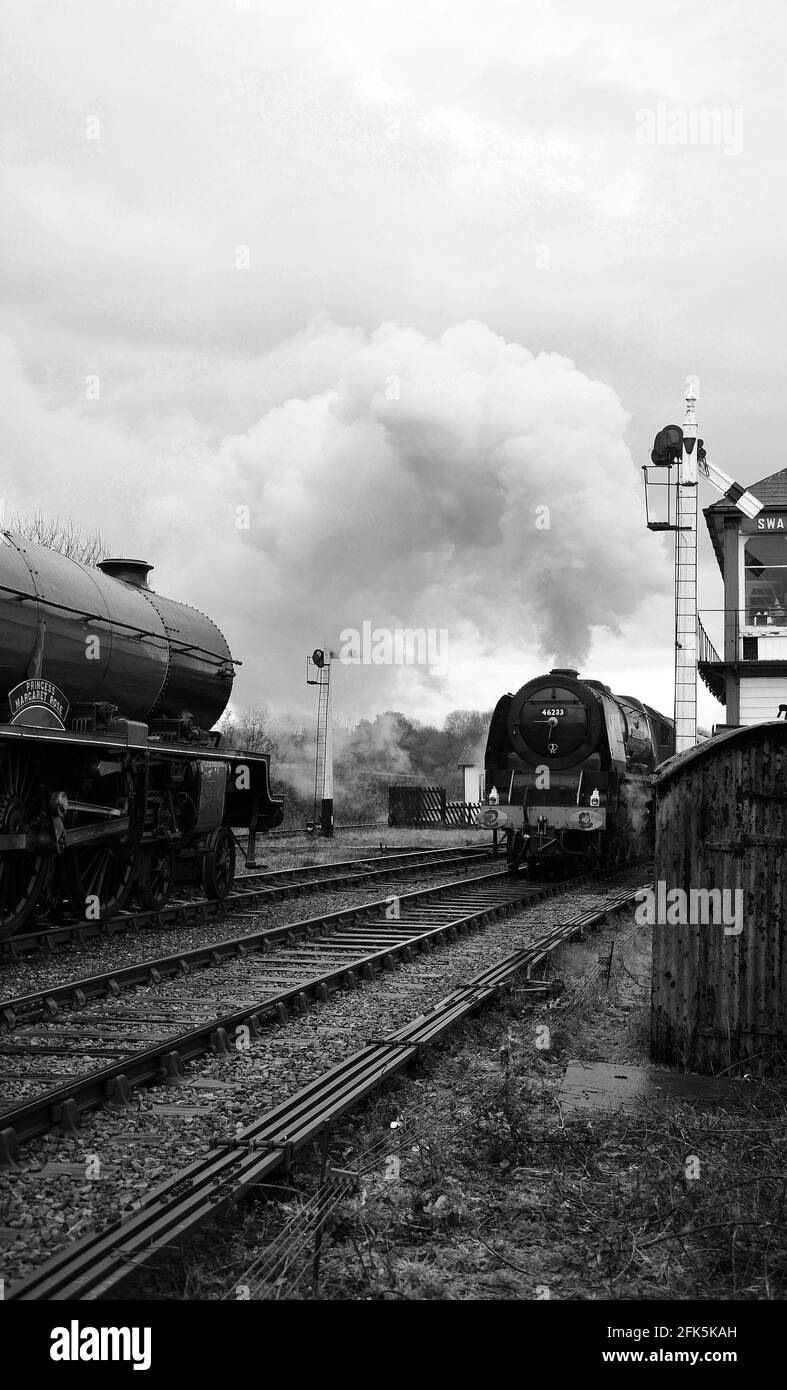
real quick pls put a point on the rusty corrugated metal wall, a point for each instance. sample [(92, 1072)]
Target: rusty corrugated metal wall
[(721, 822)]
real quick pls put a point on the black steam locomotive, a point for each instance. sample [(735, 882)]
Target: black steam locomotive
[(568, 768), (110, 781)]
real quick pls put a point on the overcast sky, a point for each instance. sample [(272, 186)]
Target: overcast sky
[(392, 278)]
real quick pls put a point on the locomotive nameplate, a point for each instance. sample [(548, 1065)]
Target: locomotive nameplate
[(38, 702)]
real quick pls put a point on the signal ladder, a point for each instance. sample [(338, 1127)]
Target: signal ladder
[(686, 618)]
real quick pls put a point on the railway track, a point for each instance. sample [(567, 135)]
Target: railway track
[(252, 890), (258, 976), (240, 1162)]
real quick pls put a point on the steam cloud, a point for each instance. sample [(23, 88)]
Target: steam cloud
[(407, 492), (391, 479)]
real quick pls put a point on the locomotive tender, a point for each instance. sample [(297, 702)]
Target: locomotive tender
[(571, 763), (110, 781)]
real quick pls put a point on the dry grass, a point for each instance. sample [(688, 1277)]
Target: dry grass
[(501, 1197), (300, 850)]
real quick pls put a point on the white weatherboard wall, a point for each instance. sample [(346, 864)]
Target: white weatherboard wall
[(760, 697), (772, 643), (474, 784)]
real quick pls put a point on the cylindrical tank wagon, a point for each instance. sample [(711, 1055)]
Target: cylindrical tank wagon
[(110, 779), (720, 903)]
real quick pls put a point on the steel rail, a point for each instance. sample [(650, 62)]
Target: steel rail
[(273, 886), (474, 902), (95, 1265), (46, 1002)]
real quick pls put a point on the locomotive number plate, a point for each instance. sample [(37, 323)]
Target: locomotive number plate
[(551, 711)]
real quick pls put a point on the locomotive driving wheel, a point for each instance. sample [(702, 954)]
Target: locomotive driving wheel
[(46, 903), (218, 866), (98, 878), (22, 871), (156, 874)]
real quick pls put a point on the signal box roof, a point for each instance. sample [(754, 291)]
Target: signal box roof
[(771, 491)]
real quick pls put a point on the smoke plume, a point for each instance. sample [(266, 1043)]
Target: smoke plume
[(459, 483)]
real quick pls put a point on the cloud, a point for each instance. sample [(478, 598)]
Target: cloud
[(459, 484), (440, 477), (416, 165)]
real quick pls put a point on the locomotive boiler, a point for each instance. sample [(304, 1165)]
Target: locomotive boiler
[(568, 767), (111, 781)]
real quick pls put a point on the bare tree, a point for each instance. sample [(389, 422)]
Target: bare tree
[(249, 731), (62, 536), (467, 724)]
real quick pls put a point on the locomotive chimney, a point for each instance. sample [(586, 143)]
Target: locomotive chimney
[(130, 571)]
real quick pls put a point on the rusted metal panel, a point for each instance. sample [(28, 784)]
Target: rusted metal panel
[(720, 986)]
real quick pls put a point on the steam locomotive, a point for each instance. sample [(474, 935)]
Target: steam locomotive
[(110, 781), (568, 769)]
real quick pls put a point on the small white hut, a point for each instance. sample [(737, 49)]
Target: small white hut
[(474, 775)]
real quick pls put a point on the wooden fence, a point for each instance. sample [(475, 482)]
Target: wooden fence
[(424, 806)]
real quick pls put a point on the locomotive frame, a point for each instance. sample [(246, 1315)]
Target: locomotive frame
[(117, 813), (573, 763), (96, 805)]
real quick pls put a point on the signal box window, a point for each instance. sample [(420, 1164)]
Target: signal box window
[(766, 581)]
